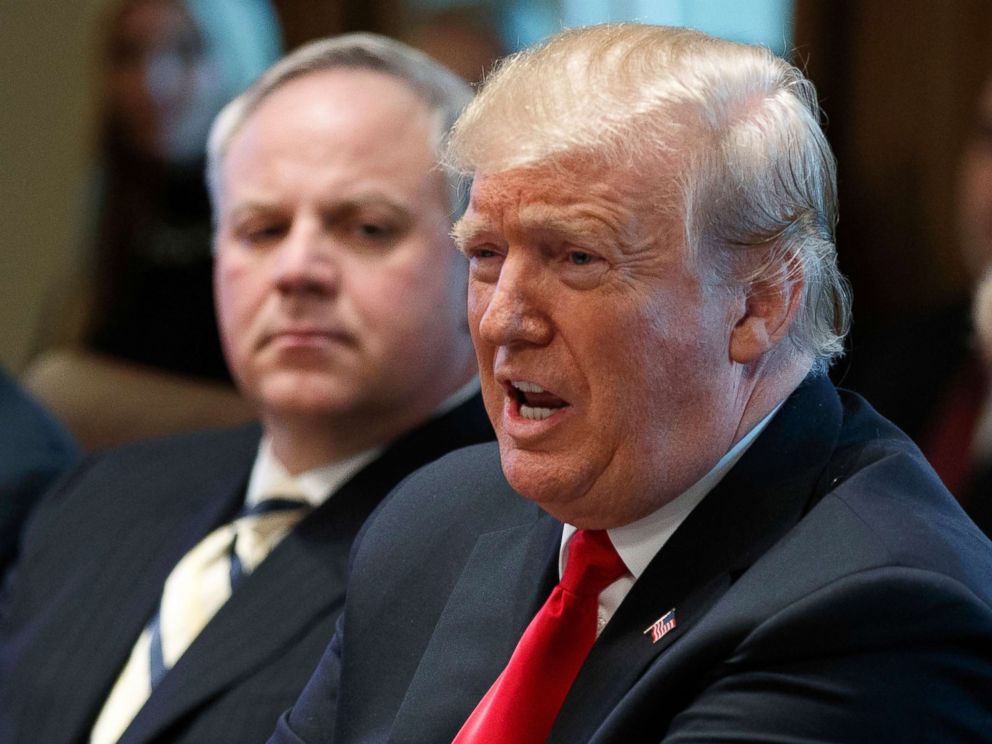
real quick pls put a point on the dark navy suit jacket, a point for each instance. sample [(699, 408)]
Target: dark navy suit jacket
[(828, 589), (34, 450), (101, 546)]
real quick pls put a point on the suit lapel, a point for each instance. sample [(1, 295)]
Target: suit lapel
[(301, 581), (141, 559), (264, 616), (506, 579), (757, 502)]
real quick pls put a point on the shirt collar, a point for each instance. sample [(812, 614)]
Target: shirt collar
[(638, 543), (269, 476)]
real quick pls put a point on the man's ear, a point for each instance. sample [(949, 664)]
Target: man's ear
[(769, 308)]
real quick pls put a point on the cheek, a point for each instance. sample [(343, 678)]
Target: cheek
[(236, 295), (398, 300)]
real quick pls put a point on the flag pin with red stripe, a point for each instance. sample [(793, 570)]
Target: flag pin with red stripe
[(661, 626)]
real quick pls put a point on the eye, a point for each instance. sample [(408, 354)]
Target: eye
[(581, 269), (484, 262), (373, 230), (260, 234), (369, 233)]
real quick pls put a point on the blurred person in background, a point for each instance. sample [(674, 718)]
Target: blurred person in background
[(182, 589), (979, 494), (132, 349), (462, 39), (928, 374)]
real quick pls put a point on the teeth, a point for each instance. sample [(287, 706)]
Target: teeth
[(535, 413), (527, 387)]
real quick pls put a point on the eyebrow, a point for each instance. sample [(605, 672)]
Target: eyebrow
[(470, 228), (371, 199), (537, 219), (573, 227)]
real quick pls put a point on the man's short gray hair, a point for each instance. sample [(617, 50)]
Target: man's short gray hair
[(444, 93), (728, 133)]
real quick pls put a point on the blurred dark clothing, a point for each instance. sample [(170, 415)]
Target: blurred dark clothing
[(34, 450), (905, 370), (153, 286), (924, 374)]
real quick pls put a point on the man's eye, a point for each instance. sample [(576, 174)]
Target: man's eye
[(485, 262), (367, 233), (580, 258), (260, 234), (372, 230)]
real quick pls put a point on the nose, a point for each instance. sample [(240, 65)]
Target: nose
[(306, 264), (515, 307)]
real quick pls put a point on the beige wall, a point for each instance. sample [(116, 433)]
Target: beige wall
[(46, 55)]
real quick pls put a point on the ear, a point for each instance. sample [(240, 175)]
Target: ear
[(769, 308)]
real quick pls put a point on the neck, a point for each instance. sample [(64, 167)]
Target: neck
[(303, 442), (773, 382)]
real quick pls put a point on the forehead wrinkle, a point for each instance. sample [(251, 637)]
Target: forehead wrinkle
[(574, 223)]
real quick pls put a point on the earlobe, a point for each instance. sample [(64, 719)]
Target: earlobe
[(769, 309)]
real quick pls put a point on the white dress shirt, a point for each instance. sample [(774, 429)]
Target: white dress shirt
[(638, 543)]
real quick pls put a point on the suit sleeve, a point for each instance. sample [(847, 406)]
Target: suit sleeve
[(311, 719), (871, 658)]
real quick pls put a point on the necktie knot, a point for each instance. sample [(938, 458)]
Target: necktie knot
[(593, 563), (259, 527)]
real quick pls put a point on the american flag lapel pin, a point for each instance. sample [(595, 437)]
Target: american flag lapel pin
[(661, 626)]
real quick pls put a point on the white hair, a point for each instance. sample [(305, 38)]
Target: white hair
[(754, 178), (444, 93)]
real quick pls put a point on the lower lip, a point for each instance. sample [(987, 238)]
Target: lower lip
[(306, 341), (520, 428)]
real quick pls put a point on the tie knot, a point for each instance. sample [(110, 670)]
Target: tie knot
[(260, 527), (593, 563), (274, 503)]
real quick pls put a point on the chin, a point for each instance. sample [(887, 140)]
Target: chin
[(305, 396), (553, 486)]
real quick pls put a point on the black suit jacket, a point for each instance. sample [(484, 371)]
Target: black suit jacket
[(828, 589), (34, 450), (100, 548)]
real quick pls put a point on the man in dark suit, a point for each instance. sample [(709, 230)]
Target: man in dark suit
[(182, 590), (34, 450), (684, 533)]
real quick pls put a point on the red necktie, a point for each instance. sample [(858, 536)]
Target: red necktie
[(524, 701)]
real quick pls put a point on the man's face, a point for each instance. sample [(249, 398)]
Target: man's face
[(339, 293), (157, 80), (604, 361)]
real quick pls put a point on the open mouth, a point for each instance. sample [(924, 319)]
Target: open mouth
[(534, 402)]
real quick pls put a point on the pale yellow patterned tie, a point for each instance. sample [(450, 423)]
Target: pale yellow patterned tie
[(196, 589)]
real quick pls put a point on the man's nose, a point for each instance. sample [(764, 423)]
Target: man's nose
[(306, 262), (517, 306)]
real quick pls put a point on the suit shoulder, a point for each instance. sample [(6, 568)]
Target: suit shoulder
[(31, 434), (205, 442), (136, 481), (891, 501), (456, 497)]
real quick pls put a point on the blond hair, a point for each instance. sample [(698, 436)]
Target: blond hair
[(728, 132)]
